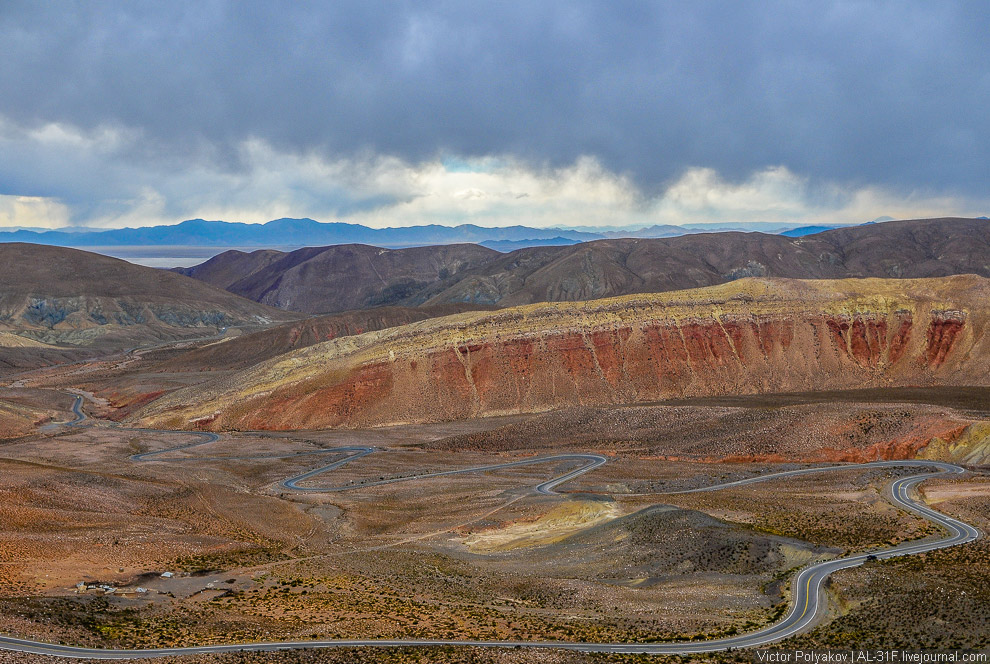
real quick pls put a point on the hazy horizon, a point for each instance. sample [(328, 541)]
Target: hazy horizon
[(570, 227)]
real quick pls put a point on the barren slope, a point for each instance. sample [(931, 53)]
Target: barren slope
[(748, 336), (65, 296), (18, 420), (231, 266), (341, 277)]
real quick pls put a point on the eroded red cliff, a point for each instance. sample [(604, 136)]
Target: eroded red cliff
[(535, 361)]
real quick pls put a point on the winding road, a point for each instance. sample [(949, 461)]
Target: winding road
[(588, 461), (807, 598)]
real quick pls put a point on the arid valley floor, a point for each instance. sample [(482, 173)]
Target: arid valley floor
[(481, 556)]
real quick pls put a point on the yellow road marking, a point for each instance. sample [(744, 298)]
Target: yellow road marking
[(807, 596)]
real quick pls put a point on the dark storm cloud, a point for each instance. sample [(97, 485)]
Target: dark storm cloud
[(865, 93)]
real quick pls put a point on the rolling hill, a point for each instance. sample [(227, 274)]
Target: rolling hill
[(329, 279), (56, 300), (340, 277), (753, 335)]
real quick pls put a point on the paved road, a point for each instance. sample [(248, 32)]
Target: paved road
[(78, 413), (588, 461), (806, 596)]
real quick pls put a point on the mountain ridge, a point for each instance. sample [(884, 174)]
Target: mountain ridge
[(316, 279)]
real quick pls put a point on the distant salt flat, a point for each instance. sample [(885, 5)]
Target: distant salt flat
[(171, 256)]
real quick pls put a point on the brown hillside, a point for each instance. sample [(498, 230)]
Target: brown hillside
[(328, 279), (250, 349), (66, 296), (342, 277), (231, 266), (748, 336)]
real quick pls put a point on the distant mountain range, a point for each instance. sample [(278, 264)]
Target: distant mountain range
[(292, 233), (808, 230), (505, 246)]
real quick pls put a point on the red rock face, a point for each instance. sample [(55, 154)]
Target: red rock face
[(863, 338), (944, 330), (357, 394), (123, 405), (607, 346), (902, 336), (657, 359), (907, 447)]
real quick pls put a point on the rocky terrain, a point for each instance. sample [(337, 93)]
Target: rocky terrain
[(56, 303), (469, 556), (328, 279), (936, 601), (679, 389), (748, 336), (22, 410)]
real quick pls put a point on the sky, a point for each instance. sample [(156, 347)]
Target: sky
[(539, 113)]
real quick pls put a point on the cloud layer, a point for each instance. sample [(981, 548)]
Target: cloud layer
[(141, 113)]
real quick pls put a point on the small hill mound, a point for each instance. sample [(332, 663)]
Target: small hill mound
[(342, 277)]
